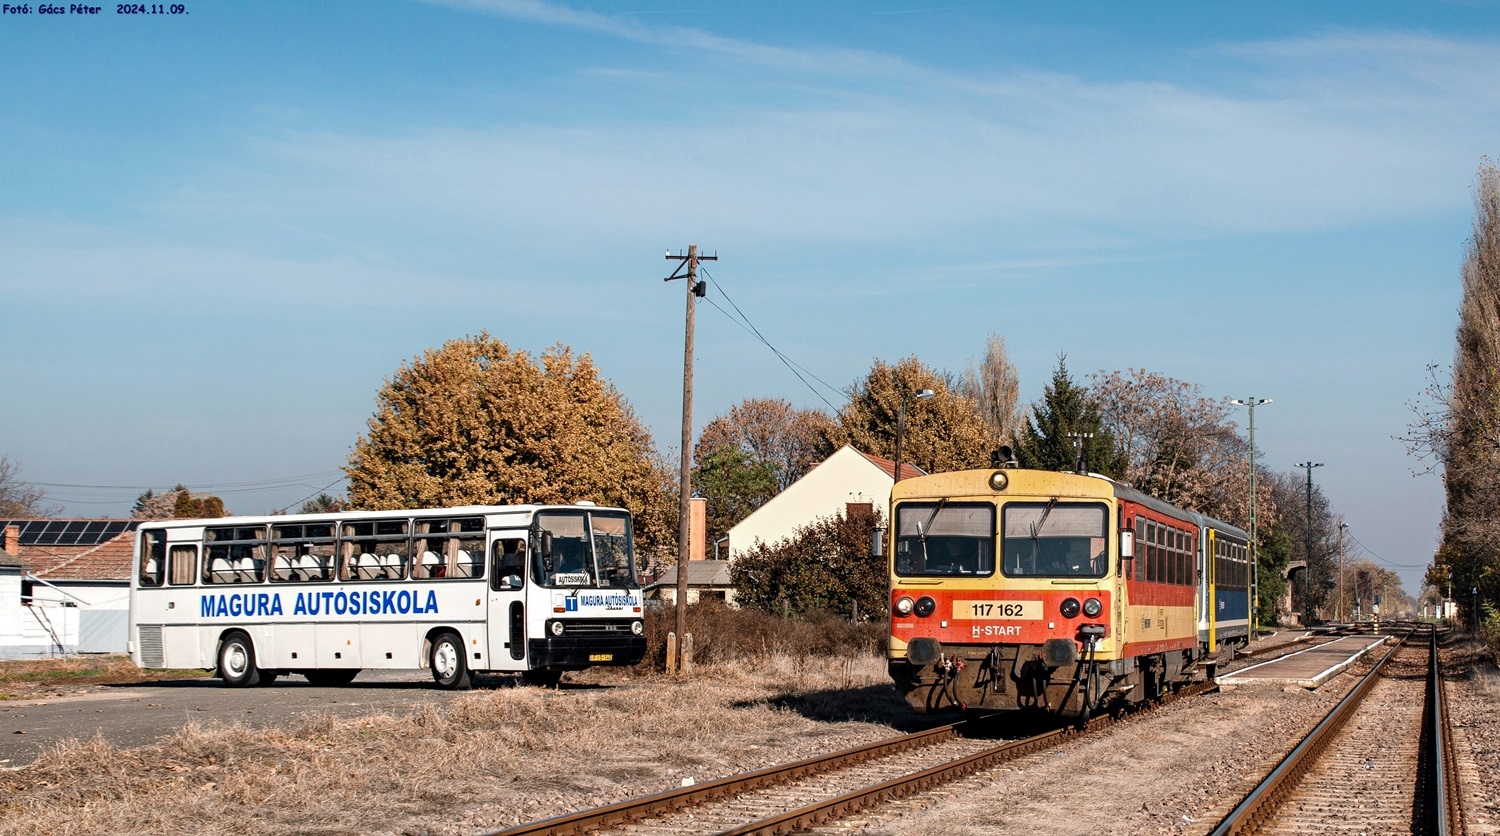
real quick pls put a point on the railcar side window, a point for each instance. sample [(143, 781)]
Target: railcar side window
[(945, 539), (235, 554), (1054, 539), (153, 570)]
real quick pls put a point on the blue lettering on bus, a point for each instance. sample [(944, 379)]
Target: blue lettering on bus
[(372, 602)]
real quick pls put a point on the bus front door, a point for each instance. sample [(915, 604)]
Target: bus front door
[(507, 604)]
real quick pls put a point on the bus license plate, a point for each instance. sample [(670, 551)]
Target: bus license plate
[(601, 657)]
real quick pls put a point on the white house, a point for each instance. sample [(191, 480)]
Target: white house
[(72, 588), (848, 477)]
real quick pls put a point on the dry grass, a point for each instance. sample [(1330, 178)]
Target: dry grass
[(481, 762), (110, 669)]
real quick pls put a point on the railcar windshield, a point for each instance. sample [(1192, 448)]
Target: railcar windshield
[(945, 539), (589, 549), (1054, 539)]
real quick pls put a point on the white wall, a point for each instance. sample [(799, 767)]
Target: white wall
[(70, 617), (842, 478)]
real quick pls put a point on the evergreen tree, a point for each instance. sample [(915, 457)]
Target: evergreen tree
[(1046, 441)]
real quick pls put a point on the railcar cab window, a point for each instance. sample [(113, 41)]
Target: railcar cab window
[(1054, 540), (574, 549), (945, 539)]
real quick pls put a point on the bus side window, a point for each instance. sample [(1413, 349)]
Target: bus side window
[(182, 565), (153, 558)]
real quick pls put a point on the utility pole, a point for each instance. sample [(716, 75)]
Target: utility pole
[(1307, 530), (695, 291), (1252, 403)]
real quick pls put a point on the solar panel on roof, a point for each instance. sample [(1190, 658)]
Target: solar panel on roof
[(69, 532)]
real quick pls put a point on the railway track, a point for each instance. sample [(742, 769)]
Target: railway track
[(811, 793), (1379, 762)]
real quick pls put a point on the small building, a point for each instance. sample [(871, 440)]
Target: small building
[(72, 590), (844, 479), (707, 579)]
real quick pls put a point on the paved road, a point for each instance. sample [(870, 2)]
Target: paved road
[(135, 715)]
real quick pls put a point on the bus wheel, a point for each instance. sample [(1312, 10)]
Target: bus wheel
[(331, 678), (546, 679), (237, 662), (447, 661)]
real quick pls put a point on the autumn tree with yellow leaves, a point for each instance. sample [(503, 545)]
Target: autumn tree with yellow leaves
[(474, 422)]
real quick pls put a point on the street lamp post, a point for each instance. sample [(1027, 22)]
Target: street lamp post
[(1307, 555), (1252, 403), (1339, 616), (921, 395)]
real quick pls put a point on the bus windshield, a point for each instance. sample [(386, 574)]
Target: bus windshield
[(589, 549), (1054, 539)]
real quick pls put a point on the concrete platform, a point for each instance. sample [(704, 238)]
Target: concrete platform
[(1308, 668)]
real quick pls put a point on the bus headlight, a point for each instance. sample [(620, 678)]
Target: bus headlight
[(637, 628), (925, 606), (904, 605), (1069, 608), (557, 628), (1092, 607)]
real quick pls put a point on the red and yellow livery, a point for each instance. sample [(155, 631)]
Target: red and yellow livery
[(1032, 589)]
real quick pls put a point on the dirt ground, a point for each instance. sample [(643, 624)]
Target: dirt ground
[(494, 758)]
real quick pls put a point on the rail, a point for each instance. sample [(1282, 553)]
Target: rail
[(670, 801), (1436, 805)]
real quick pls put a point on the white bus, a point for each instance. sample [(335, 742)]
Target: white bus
[(529, 589)]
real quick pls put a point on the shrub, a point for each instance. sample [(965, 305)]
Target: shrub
[(724, 635)]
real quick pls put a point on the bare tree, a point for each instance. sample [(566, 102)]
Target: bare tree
[(19, 499), (1457, 421), (996, 390), (769, 431)]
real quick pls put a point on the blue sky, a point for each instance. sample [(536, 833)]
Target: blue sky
[(221, 231)]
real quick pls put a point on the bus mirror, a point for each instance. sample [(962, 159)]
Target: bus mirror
[(1127, 544), (547, 544)]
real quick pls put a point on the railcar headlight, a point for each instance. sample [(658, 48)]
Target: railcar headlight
[(904, 605), (1069, 608), (637, 628), (557, 628), (1092, 607), (998, 480), (925, 606)]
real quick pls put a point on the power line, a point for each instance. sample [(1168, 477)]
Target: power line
[(1371, 552), (796, 368), (279, 481)]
